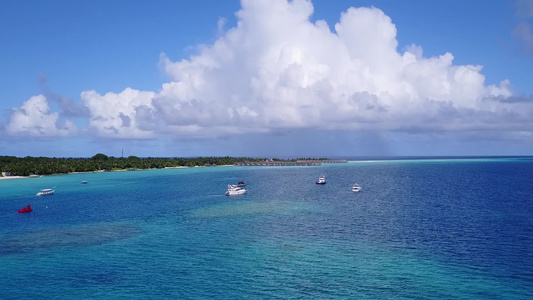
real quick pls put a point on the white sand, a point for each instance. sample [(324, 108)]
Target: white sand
[(13, 177)]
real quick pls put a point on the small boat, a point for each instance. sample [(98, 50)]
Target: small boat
[(241, 183), (356, 188), (321, 180), (45, 192), (234, 190), (26, 209), (84, 182)]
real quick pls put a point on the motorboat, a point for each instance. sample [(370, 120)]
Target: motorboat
[(84, 182), (356, 188), (45, 192), (241, 183), (321, 180), (234, 190), (25, 209)]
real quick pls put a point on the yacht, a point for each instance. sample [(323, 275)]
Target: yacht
[(356, 188), (45, 192), (234, 190), (321, 180)]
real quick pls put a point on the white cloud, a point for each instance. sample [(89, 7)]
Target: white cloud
[(34, 119), (115, 115), (277, 70)]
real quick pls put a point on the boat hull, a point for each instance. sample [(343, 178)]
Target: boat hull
[(25, 210), (235, 193), (321, 180), (234, 190), (45, 192)]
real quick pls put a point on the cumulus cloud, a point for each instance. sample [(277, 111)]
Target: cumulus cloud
[(115, 115), (276, 71), (34, 119)]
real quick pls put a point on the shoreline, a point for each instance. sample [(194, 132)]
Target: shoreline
[(15, 177), (275, 163), (101, 171)]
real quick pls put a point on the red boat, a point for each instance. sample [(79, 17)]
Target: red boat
[(26, 209)]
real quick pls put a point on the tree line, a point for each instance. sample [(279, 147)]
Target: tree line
[(26, 166)]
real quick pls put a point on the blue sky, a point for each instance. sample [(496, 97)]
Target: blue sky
[(266, 78)]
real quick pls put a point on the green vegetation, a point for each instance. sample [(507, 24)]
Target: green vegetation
[(26, 166), (44, 166)]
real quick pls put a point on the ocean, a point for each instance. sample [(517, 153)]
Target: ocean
[(419, 229)]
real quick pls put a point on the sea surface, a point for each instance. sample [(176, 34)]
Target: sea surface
[(419, 229)]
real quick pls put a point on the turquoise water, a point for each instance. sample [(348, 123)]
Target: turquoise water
[(431, 229)]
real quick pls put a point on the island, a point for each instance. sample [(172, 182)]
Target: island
[(11, 166)]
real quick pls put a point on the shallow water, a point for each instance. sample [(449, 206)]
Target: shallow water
[(458, 229)]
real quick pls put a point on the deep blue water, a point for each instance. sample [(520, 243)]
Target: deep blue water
[(419, 229)]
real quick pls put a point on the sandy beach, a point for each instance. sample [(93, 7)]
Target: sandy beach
[(13, 177), (122, 170)]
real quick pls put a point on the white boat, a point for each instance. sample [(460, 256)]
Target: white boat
[(321, 180), (356, 188), (234, 190), (45, 192)]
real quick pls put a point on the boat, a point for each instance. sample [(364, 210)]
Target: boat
[(234, 190), (241, 183), (321, 180), (84, 182), (45, 192), (356, 188), (25, 209)]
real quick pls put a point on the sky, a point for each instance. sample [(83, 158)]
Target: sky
[(266, 78)]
